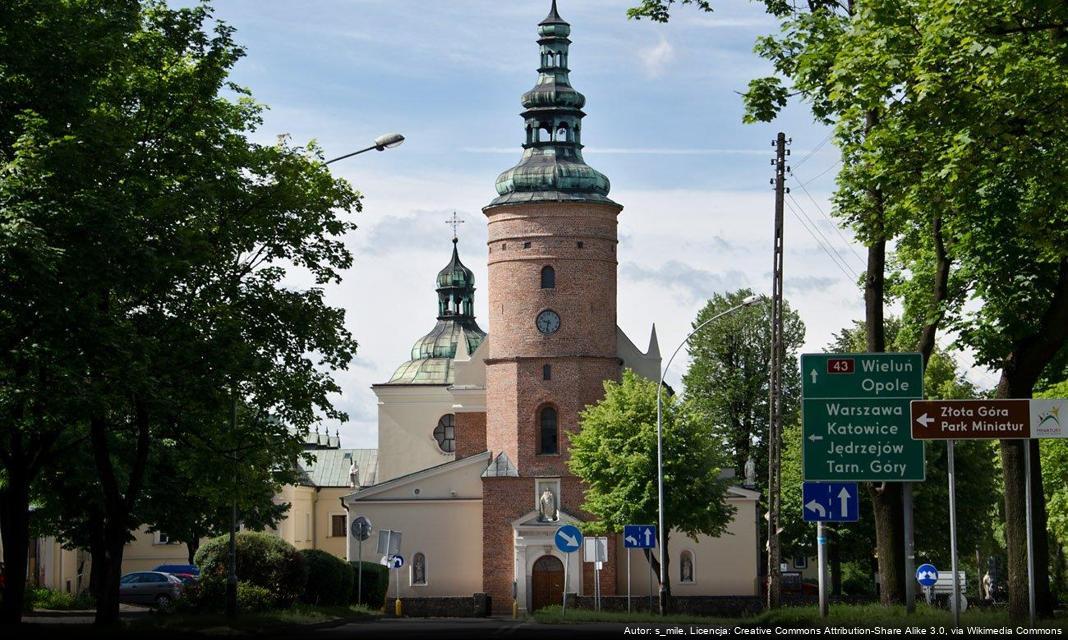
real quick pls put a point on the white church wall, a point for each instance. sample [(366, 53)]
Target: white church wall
[(723, 566), (407, 416)]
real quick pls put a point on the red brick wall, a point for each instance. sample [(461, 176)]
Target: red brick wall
[(470, 431)]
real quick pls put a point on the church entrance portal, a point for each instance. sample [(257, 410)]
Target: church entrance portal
[(547, 582)]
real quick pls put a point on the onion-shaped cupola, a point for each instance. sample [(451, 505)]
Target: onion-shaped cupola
[(552, 168), (432, 355)]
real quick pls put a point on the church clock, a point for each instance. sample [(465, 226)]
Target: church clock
[(548, 322)]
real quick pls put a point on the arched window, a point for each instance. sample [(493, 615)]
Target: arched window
[(548, 278), (445, 433), (418, 576), (547, 431), (686, 567)]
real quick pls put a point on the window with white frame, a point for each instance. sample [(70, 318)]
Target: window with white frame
[(162, 538)]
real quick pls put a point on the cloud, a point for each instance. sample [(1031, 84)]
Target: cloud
[(655, 59), (804, 284), (697, 284)]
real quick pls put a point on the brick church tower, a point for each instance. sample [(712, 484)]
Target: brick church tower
[(552, 320)]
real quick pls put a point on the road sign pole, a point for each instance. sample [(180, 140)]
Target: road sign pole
[(628, 580), (821, 563), (910, 547), (953, 534), (1030, 534), (359, 579), (650, 581), (567, 583)]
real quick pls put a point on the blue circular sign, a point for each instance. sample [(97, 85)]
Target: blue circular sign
[(568, 538), (926, 575)]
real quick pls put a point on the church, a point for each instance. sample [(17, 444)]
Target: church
[(473, 429)]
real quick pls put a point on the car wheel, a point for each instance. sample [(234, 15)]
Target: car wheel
[(163, 601)]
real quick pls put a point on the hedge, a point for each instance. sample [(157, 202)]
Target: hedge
[(330, 579), (263, 560), (375, 583)]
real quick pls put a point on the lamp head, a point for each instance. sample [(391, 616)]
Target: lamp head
[(388, 141)]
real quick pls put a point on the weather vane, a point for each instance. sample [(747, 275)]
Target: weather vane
[(454, 221)]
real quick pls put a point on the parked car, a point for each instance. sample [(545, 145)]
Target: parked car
[(153, 588), (187, 573)]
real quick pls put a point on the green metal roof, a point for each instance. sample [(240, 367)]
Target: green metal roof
[(552, 168), (331, 467)]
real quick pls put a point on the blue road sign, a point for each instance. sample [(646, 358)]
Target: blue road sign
[(926, 575), (639, 536), (830, 502), (396, 561), (568, 538)]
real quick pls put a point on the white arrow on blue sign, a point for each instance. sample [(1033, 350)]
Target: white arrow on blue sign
[(926, 575), (639, 536), (568, 538), (830, 502)]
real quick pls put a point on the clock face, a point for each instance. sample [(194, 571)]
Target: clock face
[(548, 321)]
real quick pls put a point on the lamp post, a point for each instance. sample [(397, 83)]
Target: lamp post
[(381, 143), (660, 446)]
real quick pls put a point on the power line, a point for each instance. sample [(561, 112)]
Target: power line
[(829, 219), (827, 241), (814, 150), (846, 270)]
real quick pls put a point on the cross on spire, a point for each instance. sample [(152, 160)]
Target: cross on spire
[(454, 221)]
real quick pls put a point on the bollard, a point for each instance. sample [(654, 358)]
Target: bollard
[(398, 609)]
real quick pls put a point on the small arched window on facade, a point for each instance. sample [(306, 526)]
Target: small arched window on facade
[(418, 569), (686, 567), (548, 278), (445, 433), (548, 431)]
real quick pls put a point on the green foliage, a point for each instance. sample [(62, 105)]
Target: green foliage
[(330, 579), (375, 581), (44, 598), (254, 598), (727, 381), (614, 453), (263, 560)]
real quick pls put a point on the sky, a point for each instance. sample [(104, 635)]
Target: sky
[(664, 123)]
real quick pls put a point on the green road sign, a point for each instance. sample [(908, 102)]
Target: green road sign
[(855, 416)]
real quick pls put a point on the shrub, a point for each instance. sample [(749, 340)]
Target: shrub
[(254, 598), (330, 579), (263, 560), (44, 598), (375, 583)]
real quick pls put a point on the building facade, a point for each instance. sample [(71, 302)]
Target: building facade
[(474, 430)]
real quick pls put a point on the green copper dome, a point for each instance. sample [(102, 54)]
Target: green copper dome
[(552, 168), (432, 355)]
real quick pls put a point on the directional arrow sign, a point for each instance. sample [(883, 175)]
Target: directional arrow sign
[(639, 536), (830, 502), (568, 538), (855, 417), (983, 419)]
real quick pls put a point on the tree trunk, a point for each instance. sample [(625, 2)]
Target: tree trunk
[(191, 549), (107, 603), (835, 558), (889, 540), (15, 531)]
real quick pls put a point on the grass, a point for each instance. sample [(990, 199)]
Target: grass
[(863, 616), (43, 598), (297, 615)]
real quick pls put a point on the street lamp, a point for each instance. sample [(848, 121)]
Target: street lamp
[(660, 445), (382, 142)]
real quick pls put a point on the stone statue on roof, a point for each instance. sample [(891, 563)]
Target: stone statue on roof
[(354, 475)]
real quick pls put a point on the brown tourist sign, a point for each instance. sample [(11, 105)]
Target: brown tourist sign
[(971, 419)]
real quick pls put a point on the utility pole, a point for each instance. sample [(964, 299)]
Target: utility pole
[(775, 386), (231, 555)]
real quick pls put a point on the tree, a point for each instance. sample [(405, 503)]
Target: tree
[(614, 453), (945, 113), (727, 380), (161, 237)]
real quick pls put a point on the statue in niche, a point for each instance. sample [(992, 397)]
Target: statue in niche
[(750, 472), (419, 569), (547, 511), (686, 568)]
